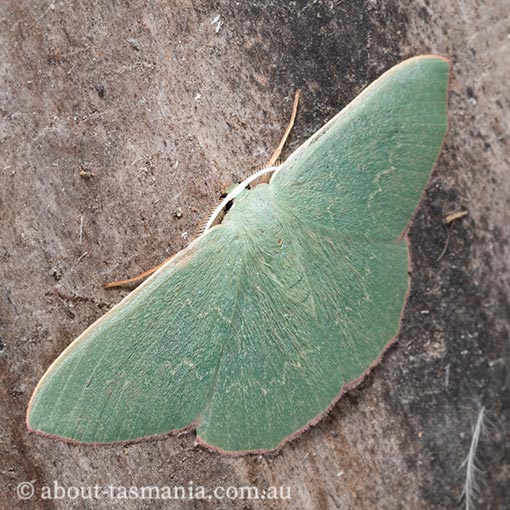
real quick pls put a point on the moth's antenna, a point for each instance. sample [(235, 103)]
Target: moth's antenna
[(278, 151)]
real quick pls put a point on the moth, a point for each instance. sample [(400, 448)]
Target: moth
[(255, 330)]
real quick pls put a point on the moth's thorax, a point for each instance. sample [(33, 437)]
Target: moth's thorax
[(255, 214)]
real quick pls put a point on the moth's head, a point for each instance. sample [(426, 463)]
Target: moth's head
[(237, 193), (229, 189)]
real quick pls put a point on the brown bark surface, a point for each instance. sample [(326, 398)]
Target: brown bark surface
[(120, 123)]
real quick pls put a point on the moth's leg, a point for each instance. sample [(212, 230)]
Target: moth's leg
[(136, 278)]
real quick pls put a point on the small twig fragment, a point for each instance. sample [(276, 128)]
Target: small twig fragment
[(82, 256), (455, 216), (445, 246), (50, 7), (81, 228)]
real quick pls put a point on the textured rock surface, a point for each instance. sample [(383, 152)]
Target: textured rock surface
[(121, 122)]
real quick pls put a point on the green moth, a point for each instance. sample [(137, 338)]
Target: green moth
[(254, 331)]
